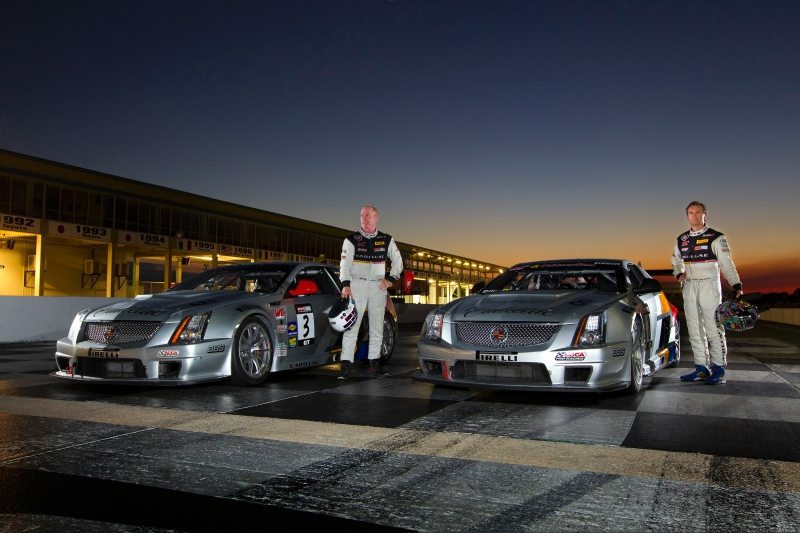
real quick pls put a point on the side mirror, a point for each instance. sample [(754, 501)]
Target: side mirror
[(477, 287), (648, 285)]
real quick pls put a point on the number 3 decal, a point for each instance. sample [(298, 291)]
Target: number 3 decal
[(306, 327)]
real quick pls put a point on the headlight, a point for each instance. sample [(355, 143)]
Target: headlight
[(191, 329), (432, 328), (75, 327), (591, 331)]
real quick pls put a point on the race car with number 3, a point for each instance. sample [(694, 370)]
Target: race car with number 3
[(574, 325), (242, 322)]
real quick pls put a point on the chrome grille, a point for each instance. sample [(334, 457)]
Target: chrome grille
[(508, 334), (120, 333)]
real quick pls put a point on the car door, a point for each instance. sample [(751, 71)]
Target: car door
[(308, 298)]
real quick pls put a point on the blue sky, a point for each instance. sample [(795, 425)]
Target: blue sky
[(504, 130)]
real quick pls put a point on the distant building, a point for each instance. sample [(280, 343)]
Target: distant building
[(69, 231)]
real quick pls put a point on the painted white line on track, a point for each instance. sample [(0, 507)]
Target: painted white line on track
[(675, 466)]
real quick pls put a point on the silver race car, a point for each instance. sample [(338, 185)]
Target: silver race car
[(575, 325), (240, 321)]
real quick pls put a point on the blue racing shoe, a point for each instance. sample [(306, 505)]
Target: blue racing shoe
[(699, 372), (717, 375)]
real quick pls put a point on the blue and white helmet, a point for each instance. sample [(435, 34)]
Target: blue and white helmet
[(343, 314), (737, 315)]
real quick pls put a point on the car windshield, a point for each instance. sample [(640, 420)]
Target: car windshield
[(558, 278), (232, 279)]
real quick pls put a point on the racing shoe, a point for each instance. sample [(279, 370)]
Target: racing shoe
[(344, 369), (375, 369), (717, 375), (699, 372)]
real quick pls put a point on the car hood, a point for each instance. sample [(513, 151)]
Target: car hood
[(164, 305), (563, 307)]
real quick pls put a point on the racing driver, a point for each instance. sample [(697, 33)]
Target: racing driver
[(699, 256), (362, 271)]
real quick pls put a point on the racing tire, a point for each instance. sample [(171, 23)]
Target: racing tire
[(637, 358), (674, 364), (387, 343), (252, 353), (389, 337)]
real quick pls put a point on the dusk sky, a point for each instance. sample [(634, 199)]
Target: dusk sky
[(504, 131)]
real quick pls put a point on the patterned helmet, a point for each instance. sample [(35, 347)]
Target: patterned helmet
[(343, 314), (737, 315)]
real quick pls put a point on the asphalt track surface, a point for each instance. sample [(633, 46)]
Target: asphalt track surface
[(308, 450)]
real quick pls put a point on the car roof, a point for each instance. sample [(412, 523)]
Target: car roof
[(577, 262), (269, 264)]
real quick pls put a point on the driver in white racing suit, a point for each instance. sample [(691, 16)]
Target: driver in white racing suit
[(362, 271), (699, 256)]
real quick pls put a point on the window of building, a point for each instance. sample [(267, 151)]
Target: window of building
[(163, 227), (95, 209), (107, 210), (51, 195), (66, 205), (5, 194), (81, 206), (37, 201), (19, 197)]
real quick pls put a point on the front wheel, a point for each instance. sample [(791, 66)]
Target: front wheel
[(251, 359), (637, 358)]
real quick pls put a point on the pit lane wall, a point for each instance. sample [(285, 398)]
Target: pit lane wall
[(47, 318), (787, 315)]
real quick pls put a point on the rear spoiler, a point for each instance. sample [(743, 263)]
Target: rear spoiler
[(660, 272)]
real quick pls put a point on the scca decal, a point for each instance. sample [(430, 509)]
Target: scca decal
[(570, 356)]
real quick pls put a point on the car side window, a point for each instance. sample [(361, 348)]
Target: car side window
[(312, 281), (264, 284), (636, 276)]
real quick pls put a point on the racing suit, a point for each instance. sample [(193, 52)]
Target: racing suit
[(362, 267), (701, 255)]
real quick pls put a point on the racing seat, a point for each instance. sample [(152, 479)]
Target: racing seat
[(264, 285), (304, 286)]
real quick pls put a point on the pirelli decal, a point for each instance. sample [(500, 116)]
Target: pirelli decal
[(499, 357)]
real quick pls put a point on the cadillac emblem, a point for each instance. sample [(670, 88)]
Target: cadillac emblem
[(110, 333), (499, 335)]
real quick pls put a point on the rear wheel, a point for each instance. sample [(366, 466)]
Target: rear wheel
[(637, 358), (388, 341), (389, 337), (251, 359), (677, 357)]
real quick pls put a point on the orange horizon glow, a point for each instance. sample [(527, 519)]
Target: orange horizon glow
[(777, 276)]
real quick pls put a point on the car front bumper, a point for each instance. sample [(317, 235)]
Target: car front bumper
[(143, 365), (599, 369)]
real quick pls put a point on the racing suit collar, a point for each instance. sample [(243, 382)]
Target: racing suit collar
[(698, 232), (368, 235)]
